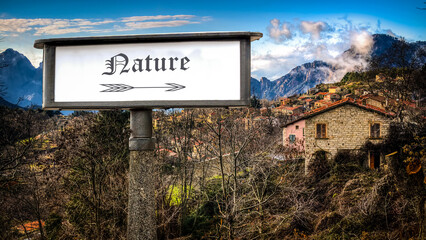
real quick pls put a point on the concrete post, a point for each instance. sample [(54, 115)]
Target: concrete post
[(141, 219)]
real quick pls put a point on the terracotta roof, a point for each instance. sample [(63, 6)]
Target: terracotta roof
[(351, 101), (323, 102), (321, 93), (338, 104), (308, 100), (374, 97), (287, 107)]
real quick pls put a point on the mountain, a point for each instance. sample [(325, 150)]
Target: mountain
[(308, 75), (22, 80), (303, 77), (298, 80)]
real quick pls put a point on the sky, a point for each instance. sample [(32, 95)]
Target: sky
[(294, 32)]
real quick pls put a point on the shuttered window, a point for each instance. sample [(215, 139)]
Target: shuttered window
[(375, 130), (292, 138), (321, 130)]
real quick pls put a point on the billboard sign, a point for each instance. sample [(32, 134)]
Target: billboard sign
[(147, 71)]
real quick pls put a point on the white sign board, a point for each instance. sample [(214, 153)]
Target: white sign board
[(153, 71), (147, 71)]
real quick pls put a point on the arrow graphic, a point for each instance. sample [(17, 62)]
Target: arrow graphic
[(123, 87)]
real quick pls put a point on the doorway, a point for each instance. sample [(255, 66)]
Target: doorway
[(374, 160)]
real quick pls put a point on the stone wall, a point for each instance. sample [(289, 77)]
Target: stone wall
[(348, 128)]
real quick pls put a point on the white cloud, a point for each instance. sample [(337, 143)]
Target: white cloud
[(362, 41), (144, 25), (275, 55), (57, 30), (85, 22), (51, 26), (279, 31), (314, 28), (158, 17)]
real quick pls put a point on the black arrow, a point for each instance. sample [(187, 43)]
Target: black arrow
[(123, 87)]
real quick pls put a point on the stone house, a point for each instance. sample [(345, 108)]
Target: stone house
[(344, 125), (375, 100)]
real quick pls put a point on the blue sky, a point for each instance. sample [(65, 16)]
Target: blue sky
[(294, 31)]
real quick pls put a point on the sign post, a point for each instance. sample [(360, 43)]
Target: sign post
[(141, 223), (140, 73)]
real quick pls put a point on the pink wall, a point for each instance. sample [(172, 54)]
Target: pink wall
[(297, 129)]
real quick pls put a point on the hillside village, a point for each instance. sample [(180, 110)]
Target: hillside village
[(344, 160), (325, 164)]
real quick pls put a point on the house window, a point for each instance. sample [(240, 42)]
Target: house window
[(321, 130), (292, 138), (297, 127), (375, 130)]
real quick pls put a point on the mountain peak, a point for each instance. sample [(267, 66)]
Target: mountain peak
[(263, 79), (385, 37), (21, 79), (11, 53), (13, 57)]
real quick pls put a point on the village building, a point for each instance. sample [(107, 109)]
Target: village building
[(303, 97), (321, 103), (289, 110), (375, 100), (284, 100), (384, 102), (320, 95), (331, 97), (294, 135), (334, 89), (345, 125), (309, 103), (359, 92)]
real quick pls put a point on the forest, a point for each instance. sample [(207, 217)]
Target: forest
[(219, 175)]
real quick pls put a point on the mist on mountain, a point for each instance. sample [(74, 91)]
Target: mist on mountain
[(330, 70)]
